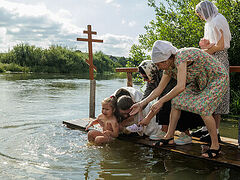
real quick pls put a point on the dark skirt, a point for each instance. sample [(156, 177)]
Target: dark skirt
[(188, 120)]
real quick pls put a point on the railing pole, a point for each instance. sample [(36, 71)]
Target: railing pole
[(129, 79)]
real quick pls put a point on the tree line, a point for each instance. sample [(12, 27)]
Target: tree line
[(55, 59)]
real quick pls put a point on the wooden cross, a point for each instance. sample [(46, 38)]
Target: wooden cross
[(90, 40)]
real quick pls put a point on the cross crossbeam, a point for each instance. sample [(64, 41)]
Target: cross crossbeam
[(90, 41)]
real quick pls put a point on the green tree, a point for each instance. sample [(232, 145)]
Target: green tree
[(137, 55), (103, 62), (176, 22)]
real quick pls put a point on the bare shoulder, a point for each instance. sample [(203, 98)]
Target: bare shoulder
[(101, 116)]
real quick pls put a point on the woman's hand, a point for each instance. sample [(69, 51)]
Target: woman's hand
[(156, 106), (135, 108), (205, 44), (144, 122)]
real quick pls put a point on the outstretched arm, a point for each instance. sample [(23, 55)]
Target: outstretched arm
[(125, 123), (154, 94), (181, 83), (92, 123)]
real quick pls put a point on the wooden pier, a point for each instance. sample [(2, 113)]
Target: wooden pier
[(230, 154)]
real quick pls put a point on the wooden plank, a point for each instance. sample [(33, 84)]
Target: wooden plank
[(97, 40), (129, 69), (135, 69), (230, 156), (234, 69), (91, 40), (92, 100), (82, 39), (92, 32)]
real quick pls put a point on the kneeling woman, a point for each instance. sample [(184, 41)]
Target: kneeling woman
[(201, 84)]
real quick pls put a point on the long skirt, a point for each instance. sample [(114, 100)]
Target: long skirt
[(223, 107)]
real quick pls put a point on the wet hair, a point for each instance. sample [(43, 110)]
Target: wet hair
[(120, 92), (124, 102), (110, 100)]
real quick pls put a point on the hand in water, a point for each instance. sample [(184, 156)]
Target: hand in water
[(88, 126)]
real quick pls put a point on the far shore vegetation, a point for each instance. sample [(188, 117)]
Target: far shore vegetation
[(56, 59)]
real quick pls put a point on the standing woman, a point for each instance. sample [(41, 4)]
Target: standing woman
[(201, 83), (216, 41)]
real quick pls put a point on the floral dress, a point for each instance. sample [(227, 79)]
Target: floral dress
[(206, 82)]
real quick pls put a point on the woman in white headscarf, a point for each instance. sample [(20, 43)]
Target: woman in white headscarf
[(216, 41), (201, 84)]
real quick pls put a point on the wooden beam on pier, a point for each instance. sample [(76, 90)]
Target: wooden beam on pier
[(234, 69), (130, 70)]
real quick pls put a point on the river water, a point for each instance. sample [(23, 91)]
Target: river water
[(35, 145)]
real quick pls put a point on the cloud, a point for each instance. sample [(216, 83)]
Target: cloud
[(118, 45), (36, 25), (114, 4), (108, 1), (132, 23)]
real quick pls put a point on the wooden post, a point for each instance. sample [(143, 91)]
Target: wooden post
[(129, 72), (129, 79), (239, 133), (92, 98), (91, 68)]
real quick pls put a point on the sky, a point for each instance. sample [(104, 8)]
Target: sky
[(59, 22)]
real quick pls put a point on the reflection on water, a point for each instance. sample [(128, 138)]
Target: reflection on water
[(35, 144)]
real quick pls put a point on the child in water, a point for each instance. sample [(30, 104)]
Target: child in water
[(108, 122)]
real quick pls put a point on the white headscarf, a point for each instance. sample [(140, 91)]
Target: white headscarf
[(214, 23), (162, 50)]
